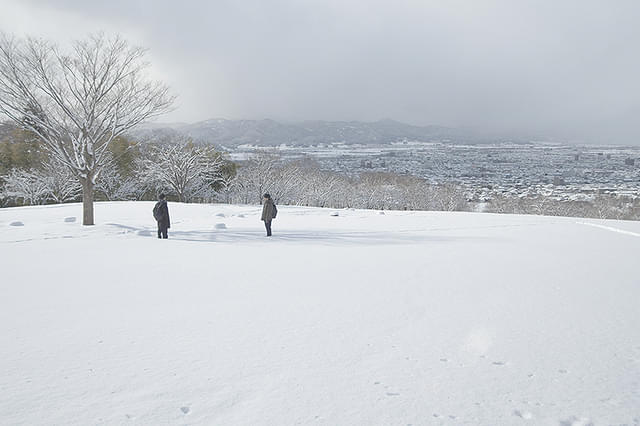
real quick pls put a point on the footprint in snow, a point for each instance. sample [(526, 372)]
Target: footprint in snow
[(523, 414), (220, 215), (185, 410), (444, 360), (221, 226), (70, 219), (499, 363), (563, 371), (16, 223)]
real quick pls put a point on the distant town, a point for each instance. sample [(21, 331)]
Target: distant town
[(564, 172)]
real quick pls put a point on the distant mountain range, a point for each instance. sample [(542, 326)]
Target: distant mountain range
[(269, 132)]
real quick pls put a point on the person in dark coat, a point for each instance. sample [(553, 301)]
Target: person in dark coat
[(161, 214), (268, 212)]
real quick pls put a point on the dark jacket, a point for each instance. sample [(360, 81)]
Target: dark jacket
[(163, 214), (268, 210)]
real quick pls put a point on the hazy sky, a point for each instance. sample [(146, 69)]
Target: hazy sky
[(563, 68)]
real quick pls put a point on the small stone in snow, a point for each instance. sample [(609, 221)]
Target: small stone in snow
[(221, 226), (523, 414), (16, 223)]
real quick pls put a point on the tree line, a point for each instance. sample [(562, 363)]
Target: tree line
[(191, 172), (29, 175)]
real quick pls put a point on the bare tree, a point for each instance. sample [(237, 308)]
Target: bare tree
[(318, 188), (187, 170), (228, 184), (255, 176), (78, 101), (113, 186), (450, 197), (61, 183), (29, 186), (266, 173)]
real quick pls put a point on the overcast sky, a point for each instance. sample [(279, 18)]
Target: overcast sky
[(559, 68)]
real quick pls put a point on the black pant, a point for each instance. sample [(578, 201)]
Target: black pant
[(162, 232), (267, 224)]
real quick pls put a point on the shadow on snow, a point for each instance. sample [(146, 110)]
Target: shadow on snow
[(329, 237)]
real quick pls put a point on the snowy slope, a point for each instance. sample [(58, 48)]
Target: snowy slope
[(361, 319)]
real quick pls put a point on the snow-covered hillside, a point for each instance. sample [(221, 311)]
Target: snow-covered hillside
[(358, 319)]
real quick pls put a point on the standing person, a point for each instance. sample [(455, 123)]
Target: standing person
[(269, 212), (161, 215)]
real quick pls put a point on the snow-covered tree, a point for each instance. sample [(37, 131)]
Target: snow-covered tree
[(52, 182), (28, 186), (78, 101), (255, 177), (62, 185), (450, 197), (319, 188), (299, 183), (187, 170), (227, 185), (113, 186), (609, 207)]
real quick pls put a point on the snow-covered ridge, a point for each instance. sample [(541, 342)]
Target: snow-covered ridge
[(272, 133), (343, 317)]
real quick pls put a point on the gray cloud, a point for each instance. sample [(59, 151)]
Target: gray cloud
[(567, 69)]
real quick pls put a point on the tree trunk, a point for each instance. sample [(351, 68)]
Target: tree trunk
[(87, 202)]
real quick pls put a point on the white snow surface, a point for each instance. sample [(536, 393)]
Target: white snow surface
[(405, 318)]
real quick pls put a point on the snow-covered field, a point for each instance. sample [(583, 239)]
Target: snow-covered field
[(359, 319)]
